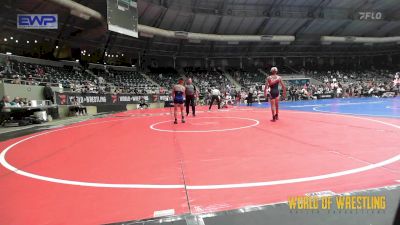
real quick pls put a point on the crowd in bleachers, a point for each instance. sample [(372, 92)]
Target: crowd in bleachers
[(165, 77), (121, 81), (247, 78), (346, 83), (206, 79), (340, 83), (76, 78), (33, 74)]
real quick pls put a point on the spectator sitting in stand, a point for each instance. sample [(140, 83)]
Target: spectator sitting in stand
[(4, 110), (15, 102)]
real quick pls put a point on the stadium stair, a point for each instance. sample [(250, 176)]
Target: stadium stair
[(149, 79), (232, 80)]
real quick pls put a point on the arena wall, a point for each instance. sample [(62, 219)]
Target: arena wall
[(31, 92)]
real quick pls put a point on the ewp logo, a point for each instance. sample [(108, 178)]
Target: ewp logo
[(37, 21)]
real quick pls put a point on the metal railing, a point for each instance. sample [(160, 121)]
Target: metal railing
[(39, 82), (33, 82)]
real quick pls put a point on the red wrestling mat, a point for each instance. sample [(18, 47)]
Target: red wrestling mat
[(131, 165)]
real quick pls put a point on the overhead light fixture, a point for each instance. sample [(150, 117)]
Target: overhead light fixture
[(27, 42), (77, 60), (35, 41), (267, 37), (8, 53), (122, 55), (11, 38), (5, 39), (16, 41), (350, 38), (56, 46), (181, 34)]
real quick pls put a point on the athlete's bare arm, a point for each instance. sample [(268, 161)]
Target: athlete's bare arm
[(266, 87), (283, 88)]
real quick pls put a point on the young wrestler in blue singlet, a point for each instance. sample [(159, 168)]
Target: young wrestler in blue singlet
[(178, 95)]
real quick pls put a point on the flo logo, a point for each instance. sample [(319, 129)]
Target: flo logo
[(370, 15)]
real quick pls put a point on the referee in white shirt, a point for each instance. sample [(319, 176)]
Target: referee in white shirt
[(215, 95)]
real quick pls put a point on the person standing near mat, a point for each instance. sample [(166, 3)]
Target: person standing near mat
[(178, 95), (191, 95), (396, 84), (250, 97), (215, 95), (273, 82)]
